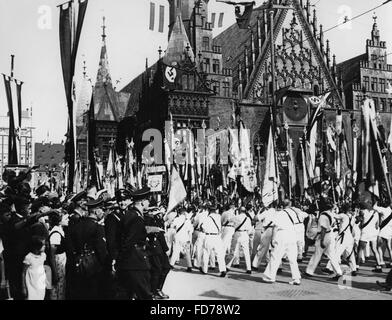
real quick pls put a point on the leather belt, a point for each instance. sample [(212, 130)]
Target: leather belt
[(241, 230), (212, 234), (229, 226)]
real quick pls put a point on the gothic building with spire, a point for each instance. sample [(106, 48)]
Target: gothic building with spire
[(369, 74), (109, 109), (201, 95)]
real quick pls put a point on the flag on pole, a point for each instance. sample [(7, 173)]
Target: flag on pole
[(177, 192), (271, 178)]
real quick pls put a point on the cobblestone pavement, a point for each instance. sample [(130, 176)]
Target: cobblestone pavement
[(182, 285)]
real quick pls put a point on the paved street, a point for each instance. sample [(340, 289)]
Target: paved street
[(182, 285)]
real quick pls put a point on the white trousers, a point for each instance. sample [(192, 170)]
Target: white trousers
[(213, 246), (300, 233), (227, 237), (169, 235), (345, 246), (262, 248), (284, 244), (256, 241), (329, 251), (181, 245), (197, 253), (240, 241)]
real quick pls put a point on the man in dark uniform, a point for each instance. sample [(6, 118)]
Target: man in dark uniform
[(112, 224), (87, 237), (132, 263), (157, 248)]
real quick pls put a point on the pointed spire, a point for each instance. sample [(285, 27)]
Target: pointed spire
[(246, 63), (259, 34), (252, 48), (314, 23), (146, 63), (178, 42), (308, 10), (103, 29), (103, 75), (328, 55), (334, 68), (321, 39)]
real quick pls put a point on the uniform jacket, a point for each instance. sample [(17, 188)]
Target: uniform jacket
[(133, 240), (112, 234), (87, 232)]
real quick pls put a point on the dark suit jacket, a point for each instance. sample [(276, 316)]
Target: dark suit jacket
[(112, 225)]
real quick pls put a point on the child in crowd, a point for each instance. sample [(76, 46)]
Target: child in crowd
[(34, 278)]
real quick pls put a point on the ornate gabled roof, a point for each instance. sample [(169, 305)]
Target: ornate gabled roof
[(302, 57)]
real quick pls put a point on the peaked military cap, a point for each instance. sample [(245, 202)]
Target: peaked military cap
[(141, 194), (41, 190), (122, 194), (79, 196), (95, 203)]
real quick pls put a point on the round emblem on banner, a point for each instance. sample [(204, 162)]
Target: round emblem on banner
[(314, 100), (170, 74)]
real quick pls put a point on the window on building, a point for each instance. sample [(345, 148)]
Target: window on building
[(390, 105), (215, 66), (374, 60), (374, 84), (216, 87), (383, 104), (376, 104), (213, 19), (207, 67), (358, 100), (226, 89), (366, 83), (382, 85), (206, 44)]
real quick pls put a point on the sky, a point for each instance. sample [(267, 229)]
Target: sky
[(29, 30)]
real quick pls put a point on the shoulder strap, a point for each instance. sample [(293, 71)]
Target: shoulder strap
[(367, 222), (179, 229), (296, 213), (242, 223), (56, 231), (386, 221), (213, 220), (288, 214), (324, 213)]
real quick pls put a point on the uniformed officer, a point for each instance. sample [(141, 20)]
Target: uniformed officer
[(241, 240), (87, 237), (157, 248), (112, 223), (325, 242), (132, 263), (212, 226)]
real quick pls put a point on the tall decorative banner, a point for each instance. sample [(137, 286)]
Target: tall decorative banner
[(177, 191), (15, 117), (271, 177), (70, 27)]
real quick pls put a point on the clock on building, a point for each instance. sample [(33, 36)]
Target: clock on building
[(295, 108)]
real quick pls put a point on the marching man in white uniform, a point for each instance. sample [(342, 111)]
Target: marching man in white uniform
[(325, 242), (242, 226), (198, 236), (385, 234), (369, 231), (284, 242), (345, 239), (264, 222), (182, 239), (228, 227), (212, 226)]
